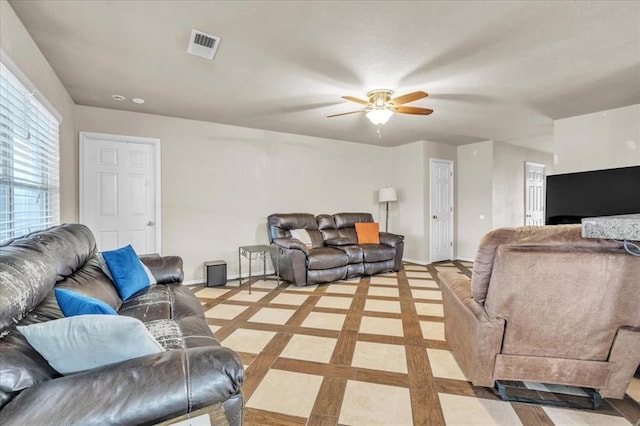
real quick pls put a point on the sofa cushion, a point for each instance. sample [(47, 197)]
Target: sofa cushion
[(349, 220), (326, 258), (72, 304), (127, 271), (88, 341), (354, 253), (377, 252), (368, 233)]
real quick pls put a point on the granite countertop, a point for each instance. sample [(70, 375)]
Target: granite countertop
[(623, 227)]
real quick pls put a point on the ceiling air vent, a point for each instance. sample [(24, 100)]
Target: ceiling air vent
[(203, 44)]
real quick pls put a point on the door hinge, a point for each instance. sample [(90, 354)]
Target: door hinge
[(451, 244), (450, 209)]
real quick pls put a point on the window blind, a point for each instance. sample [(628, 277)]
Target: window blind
[(29, 161)]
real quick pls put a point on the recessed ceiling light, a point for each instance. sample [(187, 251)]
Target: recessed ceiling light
[(118, 97), (137, 100)]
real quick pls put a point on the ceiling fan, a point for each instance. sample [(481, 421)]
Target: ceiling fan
[(380, 106)]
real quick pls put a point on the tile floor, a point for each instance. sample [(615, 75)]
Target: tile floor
[(369, 351)]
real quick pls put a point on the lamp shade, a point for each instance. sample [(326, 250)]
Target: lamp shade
[(387, 194)]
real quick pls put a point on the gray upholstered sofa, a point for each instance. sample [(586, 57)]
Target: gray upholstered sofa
[(335, 254), (193, 372)]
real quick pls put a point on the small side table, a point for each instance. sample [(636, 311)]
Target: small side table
[(256, 252)]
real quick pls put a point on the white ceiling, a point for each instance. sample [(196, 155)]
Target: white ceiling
[(493, 70)]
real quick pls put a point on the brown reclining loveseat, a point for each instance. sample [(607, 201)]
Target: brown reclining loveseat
[(335, 252)]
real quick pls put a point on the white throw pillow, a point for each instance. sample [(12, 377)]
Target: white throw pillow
[(302, 235), (84, 342)]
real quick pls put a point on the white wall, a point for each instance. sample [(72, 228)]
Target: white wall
[(406, 217), (602, 140), (508, 181), (475, 188), (220, 182), (20, 47)]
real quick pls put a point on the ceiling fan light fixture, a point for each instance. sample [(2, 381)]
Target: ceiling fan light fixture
[(379, 116)]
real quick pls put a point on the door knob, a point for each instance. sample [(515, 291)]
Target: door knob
[(150, 223), (435, 217)]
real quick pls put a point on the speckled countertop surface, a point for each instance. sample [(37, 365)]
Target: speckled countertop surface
[(623, 227)]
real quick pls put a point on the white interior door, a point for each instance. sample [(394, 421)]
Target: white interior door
[(534, 194), (120, 191), (441, 209)]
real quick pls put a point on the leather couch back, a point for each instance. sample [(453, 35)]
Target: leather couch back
[(31, 265), (279, 224)]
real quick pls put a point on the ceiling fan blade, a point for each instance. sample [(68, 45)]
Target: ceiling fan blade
[(345, 113), (356, 100), (409, 97), (413, 110)]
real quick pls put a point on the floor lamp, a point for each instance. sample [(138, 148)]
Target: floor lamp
[(385, 195)]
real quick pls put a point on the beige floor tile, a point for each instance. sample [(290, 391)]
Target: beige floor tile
[(225, 311), (443, 364), (214, 328), (415, 268), (467, 264), (212, 292), (373, 404), (464, 410), (289, 299), (382, 306), (304, 288), (383, 291), (389, 274), (383, 280), (342, 289), (324, 320), (272, 316), (562, 416), (430, 309), (309, 348), (250, 341), (244, 296), (334, 302), (423, 284), (634, 389), (269, 284), (414, 274), (380, 356), (384, 326), (426, 294), (286, 392), (432, 330)]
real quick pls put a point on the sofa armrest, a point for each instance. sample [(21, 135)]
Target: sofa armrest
[(138, 391), (474, 337), (291, 244), (166, 269), (389, 239)]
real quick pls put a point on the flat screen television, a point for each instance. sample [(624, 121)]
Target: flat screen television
[(573, 196)]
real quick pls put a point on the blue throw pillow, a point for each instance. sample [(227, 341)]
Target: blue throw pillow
[(84, 342), (72, 303), (127, 271)]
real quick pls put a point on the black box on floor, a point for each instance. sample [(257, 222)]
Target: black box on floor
[(215, 273)]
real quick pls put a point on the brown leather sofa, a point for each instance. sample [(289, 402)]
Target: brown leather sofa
[(193, 372), (336, 254), (546, 305)]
